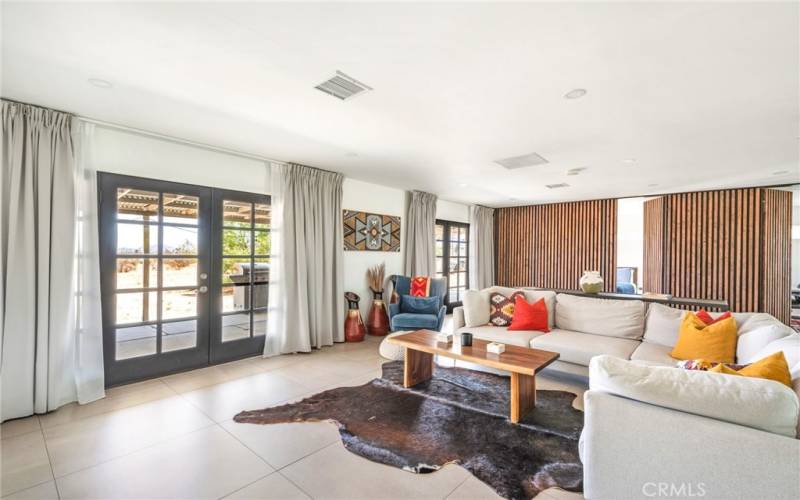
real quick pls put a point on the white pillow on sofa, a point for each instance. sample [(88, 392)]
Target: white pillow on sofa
[(790, 345), (662, 324), (753, 402), (476, 307)]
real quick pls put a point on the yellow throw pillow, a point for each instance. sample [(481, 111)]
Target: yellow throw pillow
[(715, 343), (773, 367)]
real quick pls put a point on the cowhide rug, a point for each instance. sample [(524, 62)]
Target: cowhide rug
[(460, 416)]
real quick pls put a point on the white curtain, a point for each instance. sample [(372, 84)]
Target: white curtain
[(306, 290), (481, 247), (44, 257), (420, 235)]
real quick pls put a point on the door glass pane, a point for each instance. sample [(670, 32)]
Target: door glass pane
[(131, 273), (178, 304), (453, 233), (259, 322), (180, 272), (236, 270), (462, 264), (235, 298), (236, 213), (180, 240), (439, 249), (263, 216), (262, 243), (235, 242), (137, 239), (178, 335), (462, 249), (135, 341), (439, 264), (439, 231), (180, 208), (453, 250), (235, 326), (135, 204), (136, 307)]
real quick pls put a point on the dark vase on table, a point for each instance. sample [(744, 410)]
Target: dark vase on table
[(377, 319)]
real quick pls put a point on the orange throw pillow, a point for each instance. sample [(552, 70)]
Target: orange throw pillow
[(715, 343), (707, 319), (529, 316), (773, 367)]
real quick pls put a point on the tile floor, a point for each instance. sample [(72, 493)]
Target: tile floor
[(174, 438)]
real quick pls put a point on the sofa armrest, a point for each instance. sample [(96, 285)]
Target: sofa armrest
[(440, 322), (458, 318), (632, 449)]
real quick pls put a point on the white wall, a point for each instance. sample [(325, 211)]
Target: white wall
[(127, 153), (630, 234)]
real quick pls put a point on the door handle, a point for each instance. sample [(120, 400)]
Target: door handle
[(203, 289)]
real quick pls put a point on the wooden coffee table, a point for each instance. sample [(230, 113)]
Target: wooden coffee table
[(523, 363)]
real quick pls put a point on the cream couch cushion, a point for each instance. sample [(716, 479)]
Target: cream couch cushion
[(790, 345), (579, 348), (476, 307), (758, 403), (653, 353), (520, 338), (476, 303), (611, 318), (662, 324)]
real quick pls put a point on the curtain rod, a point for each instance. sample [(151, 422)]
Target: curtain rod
[(177, 140)]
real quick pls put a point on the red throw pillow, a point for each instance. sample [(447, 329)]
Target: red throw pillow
[(529, 316), (706, 318)]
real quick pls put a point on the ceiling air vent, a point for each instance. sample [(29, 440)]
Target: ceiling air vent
[(528, 160), (342, 86), (557, 186)]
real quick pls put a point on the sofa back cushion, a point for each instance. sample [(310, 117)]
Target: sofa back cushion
[(758, 403), (611, 318), (755, 330), (476, 303)]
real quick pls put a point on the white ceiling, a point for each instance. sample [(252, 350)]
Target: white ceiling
[(702, 95)]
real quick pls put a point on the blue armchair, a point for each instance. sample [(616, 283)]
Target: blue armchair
[(406, 321)]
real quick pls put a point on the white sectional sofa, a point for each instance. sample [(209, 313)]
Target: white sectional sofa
[(654, 430)]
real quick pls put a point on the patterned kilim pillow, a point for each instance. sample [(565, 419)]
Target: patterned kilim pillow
[(501, 308), (703, 365)]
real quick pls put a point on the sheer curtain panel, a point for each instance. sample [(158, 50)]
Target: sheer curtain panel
[(40, 246), (481, 250), (306, 290), (420, 235)]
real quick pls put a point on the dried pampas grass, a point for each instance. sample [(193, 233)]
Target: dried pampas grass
[(375, 276)]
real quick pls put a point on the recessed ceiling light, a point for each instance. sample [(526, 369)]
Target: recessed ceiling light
[(629, 160), (652, 184), (575, 94), (462, 184), (351, 154), (556, 186), (780, 172), (98, 82), (513, 199)]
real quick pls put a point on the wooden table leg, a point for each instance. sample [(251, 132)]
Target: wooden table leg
[(523, 395), (418, 367)]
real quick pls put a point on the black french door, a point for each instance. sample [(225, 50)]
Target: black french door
[(184, 272)]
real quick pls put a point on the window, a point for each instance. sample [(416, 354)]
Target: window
[(452, 259)]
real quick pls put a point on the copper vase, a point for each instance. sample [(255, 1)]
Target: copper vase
[(377, 319), (354, 330)]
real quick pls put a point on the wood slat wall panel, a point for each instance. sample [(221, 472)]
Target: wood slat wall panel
[(550, 246), (776, 254), (732, 245), (654, 240)]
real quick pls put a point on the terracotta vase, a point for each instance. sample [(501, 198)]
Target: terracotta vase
[(354, 329), (377, 319)]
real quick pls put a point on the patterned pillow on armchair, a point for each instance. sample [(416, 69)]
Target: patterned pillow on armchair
[(501, 308)]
